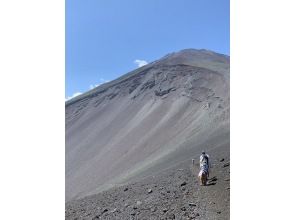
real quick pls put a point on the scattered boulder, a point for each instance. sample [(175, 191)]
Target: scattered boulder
[(223, 159), (164, 210), (226, 164), (149, 190), (171, 216), (126, 189), (192, 204), (218, 212), (133, 213), (104, 210), (183, 183)]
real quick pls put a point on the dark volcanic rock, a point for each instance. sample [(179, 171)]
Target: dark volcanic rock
[(163, 92), (226, 164), (171, 216), (183, 183)]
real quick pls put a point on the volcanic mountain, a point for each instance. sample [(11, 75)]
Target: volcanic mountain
[(147, 121)]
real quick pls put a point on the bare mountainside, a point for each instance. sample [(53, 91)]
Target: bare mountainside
[(147, 121)]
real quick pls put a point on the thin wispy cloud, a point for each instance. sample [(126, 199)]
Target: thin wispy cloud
[(101, 81), (141, 63), (94, 86), (74, 95)]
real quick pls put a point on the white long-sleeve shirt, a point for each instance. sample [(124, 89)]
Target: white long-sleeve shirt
[(203, 161)]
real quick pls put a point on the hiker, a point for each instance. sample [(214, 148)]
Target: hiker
[(204, 162)]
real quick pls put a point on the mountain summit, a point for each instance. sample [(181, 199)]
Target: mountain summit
[(147, 121)]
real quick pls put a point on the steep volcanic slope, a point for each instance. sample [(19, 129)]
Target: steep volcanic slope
[(144, 122)]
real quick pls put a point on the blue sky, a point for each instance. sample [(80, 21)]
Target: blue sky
[(108, 38)]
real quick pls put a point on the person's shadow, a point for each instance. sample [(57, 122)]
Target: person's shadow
[(211, 181)]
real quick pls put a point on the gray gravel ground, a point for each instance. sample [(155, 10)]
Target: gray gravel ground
[(172, 194)]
